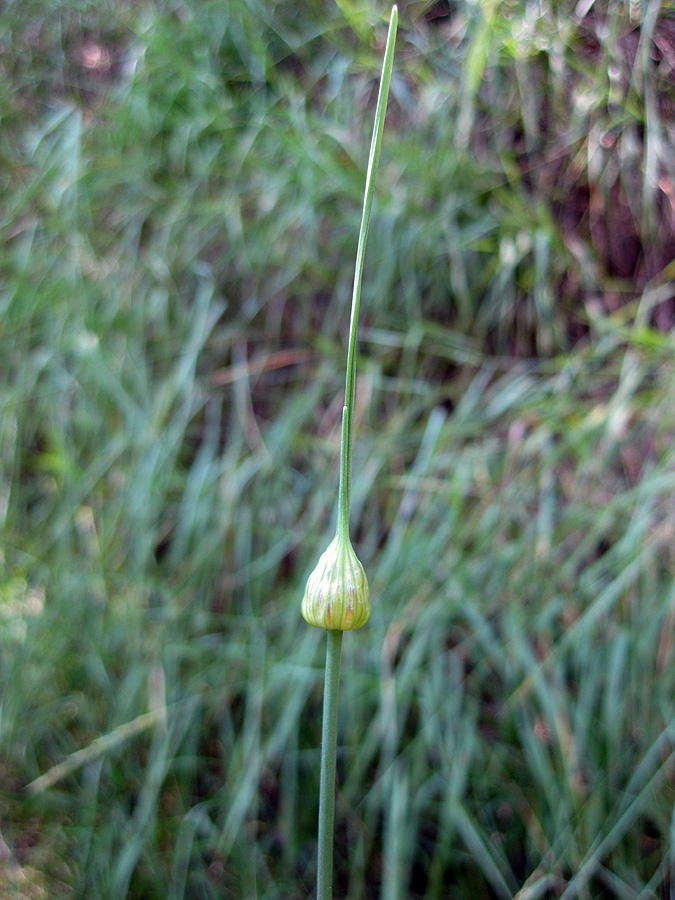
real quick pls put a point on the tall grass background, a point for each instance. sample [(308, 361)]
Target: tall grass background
[(181, 188)]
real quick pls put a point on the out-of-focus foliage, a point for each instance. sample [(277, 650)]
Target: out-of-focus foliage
[(181, 189)]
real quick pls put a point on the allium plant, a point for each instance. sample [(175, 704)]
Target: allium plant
[(337, 597)]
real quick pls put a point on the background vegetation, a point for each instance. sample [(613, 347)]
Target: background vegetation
[(181, 188)]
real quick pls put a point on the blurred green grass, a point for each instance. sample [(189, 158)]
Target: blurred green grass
[(180, 204)]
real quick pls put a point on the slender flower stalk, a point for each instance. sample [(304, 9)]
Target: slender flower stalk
[(337, 595)]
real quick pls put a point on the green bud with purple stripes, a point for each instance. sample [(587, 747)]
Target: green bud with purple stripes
[(337, 595)]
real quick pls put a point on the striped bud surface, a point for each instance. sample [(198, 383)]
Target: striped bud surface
[(337, 594)]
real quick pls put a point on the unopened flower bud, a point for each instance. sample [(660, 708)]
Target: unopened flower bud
[(337, 595)]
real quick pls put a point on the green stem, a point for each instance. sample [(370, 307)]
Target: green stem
[(350, 385), (328, 754), (345, 473), (334, 647)]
